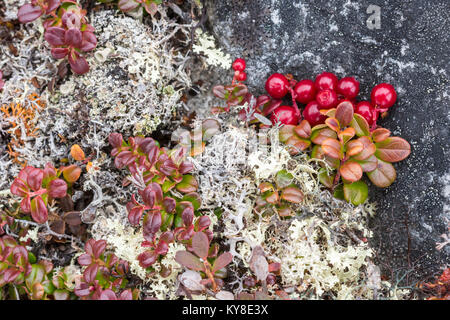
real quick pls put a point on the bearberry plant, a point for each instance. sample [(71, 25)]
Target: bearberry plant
[(38, 188), (204, 259), (105, 275), (66, 29)]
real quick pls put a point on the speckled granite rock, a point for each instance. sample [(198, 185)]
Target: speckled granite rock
[(410, 51)]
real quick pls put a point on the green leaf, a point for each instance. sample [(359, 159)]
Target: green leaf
[(392, 149), (356, 192), (339, 192), (384, 175), (167, 185), (193, 198), (188, 184), (325, 178), (36, 275), (360, 125), (283, 179)]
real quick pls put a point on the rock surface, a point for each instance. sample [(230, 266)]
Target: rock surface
[(408, 50)]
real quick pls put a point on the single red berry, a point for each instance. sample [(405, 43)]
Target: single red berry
[(348, 87), (327, 99), (326, 81), (313, 115), (305, 91), (242, 76), (277, 85), (365, 109), (285, 115), (383, 95), (239, 64)]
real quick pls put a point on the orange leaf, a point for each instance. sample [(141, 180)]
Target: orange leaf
[(77, 153), (351, 171), (332, 148)]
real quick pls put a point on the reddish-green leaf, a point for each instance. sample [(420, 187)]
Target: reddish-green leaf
[(333, 124), (347, 134), (360, 125), (344, 113), (384, 175), (286, 132), (303, 130), (332, 148), (354, 147), (188, 184), (351, 171), (368, 150), (368, 164), (318, 136), (325, 179), (392, 149), (380, 134), (292, 194)]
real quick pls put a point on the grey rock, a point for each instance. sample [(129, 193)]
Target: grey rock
[(410, 51)]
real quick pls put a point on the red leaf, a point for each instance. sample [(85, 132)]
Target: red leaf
[(202, 223), (108, 294), (39, 210), (85, 259), (126, 295), (147, 258), (188, 216), (169, 204), (222, 261), (161, 248), (29, 12), (10, 275), (115, 140), (127, 5), (89, 41), (25, 204), (152, 223), (57, 188), (19, 188), (98, 247), (200, 244), (188, 260), (52, 5), (124, 158), (55, 36), (78, 63), (59, 53), (90, 273), (135, 214), (34, 179)]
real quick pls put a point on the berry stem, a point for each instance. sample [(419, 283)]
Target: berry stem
[(294, 103)]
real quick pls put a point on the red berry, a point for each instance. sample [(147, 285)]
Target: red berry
[(326, 81), (285, 115), (239, 64), (348, 87), (305, 91), (327, 99), (365, 109), (383, 95), (277, 85), (242, 76), (313, 115)]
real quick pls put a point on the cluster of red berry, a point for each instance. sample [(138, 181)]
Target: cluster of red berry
[(324, 93), (239, 67)]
